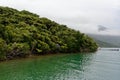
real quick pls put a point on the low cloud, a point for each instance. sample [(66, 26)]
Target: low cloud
[(102, 28)]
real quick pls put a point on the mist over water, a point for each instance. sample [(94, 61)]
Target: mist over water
[(102, 65)]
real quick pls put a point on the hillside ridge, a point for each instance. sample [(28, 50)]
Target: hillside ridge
[(23, 33)]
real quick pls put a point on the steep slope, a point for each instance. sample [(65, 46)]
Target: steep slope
[(23, 33), (104, 44), (106, 40)]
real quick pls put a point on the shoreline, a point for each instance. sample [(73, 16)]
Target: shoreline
[(32, 56)]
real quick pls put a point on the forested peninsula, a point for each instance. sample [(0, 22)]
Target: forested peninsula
[(23, 33)]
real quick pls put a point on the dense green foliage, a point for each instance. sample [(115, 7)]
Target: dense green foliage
[(23, 33)]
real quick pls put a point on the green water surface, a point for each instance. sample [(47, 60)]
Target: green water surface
[(102, 65)]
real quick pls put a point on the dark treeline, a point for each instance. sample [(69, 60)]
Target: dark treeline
[(23, 33)]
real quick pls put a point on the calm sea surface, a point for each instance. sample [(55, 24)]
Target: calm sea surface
[(102, 65)]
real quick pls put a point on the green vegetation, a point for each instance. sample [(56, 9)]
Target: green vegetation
[(23, 33), (104, 44), (106, 40)]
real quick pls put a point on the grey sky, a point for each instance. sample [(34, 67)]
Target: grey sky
[(83, 15)]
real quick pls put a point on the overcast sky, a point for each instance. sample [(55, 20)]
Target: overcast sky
[(83, 15)]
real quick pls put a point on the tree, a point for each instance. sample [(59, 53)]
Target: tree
[(24, 33), (17, 50), (2, 49)]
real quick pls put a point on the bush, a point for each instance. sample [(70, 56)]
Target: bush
[(2, 49), (18, 50)]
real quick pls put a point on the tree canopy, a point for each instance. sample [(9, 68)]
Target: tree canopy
[(23, 33)]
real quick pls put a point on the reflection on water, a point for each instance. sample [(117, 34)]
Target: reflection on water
[(102, 65)]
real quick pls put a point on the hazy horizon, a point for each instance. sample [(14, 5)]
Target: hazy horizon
[(88, 16)]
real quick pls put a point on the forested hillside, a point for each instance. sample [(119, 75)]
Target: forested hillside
[(106, 40), (23, 33), (104, 44)]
